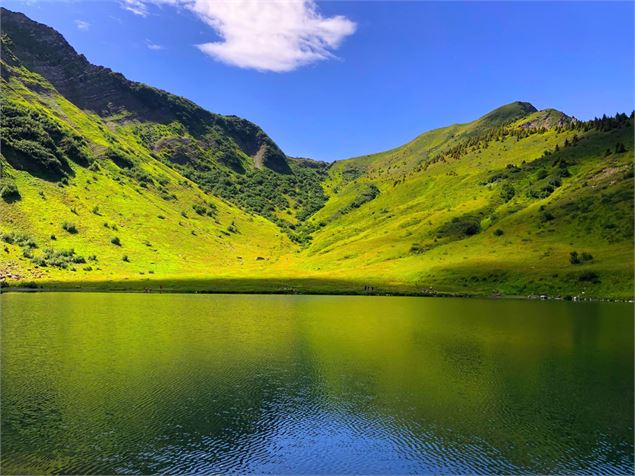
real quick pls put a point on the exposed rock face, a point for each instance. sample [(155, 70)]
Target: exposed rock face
[(549, 118), (100, 90)]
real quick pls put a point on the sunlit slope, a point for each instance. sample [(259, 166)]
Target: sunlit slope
[(121, 220), (227, 156), (110, 183), (498, 216)]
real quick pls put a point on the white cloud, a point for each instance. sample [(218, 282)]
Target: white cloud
[(272, 35), (138, 7), (82, 25), (153, 46)]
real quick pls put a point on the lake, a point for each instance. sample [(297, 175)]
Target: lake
[(148, 383)]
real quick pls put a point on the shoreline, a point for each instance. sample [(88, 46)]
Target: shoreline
[(75, 288)]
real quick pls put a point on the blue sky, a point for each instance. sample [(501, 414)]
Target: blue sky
[(388, 70)]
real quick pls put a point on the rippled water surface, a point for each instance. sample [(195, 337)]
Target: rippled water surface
[(134, 383)]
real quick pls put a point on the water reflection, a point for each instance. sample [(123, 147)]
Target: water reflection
[(120, 383)]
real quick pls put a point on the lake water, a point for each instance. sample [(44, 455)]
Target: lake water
[(136, 383)]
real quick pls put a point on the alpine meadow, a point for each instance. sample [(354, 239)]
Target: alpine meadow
[(109, 184), (300, 237)]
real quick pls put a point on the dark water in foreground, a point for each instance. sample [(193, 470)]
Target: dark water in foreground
[(133, 383)]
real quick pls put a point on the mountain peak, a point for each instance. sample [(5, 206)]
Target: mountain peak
[(509, 112)]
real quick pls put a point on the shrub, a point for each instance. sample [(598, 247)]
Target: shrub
[(369, 193), (494, 178), (120, 158), (125, 258), (59, 258), (498, 232), (27, 285), (547, 190), (460, 227), (418, 248), (472, 229), (69, 227), (199, 209), (586, 256), (20, 239), (555, 182), (589, 277), (208, 209), (115, 241), (547, 216), (9, 191), (579, 258), (543, 193), (508, 192)]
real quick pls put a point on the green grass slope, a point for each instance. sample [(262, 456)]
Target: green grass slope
[(83, 200), (501, 214), (148, 190), (225, 155)]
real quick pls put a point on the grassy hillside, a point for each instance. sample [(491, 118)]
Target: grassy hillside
[(150, 190), (501, 215), (84, 199)]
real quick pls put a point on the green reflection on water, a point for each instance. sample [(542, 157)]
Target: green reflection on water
[(115, 383)]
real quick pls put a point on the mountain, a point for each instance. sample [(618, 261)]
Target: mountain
[(110, 95), (108, 183)]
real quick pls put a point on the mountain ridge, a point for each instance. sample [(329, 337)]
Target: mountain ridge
[(110, 95), (516, 202)]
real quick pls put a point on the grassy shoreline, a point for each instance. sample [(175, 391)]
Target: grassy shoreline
[(282, 287)]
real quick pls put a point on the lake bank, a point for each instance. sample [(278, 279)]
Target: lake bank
[(289, 287)]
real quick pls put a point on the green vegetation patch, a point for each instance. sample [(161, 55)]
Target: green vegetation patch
[(33, 142)]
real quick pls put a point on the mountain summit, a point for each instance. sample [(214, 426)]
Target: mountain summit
[(508, 113)]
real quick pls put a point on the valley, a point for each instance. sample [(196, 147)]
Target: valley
[(111, 184)]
